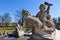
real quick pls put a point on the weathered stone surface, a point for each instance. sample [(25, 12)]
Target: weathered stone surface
[(42, 15), (38, 28), (25, 13), (42, 25)]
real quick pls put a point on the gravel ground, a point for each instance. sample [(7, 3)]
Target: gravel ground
[(20, 38)]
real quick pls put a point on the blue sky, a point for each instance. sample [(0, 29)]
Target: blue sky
[(32, 6)]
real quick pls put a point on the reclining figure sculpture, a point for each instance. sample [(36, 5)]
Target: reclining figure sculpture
[(42, 24)]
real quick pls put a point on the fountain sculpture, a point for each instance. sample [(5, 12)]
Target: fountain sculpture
[(42, 24)]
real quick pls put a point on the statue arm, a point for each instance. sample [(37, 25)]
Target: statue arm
[(37, 14), (48, 8), (48, 4)]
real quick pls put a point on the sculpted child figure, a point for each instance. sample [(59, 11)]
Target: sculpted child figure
[(44, 15)]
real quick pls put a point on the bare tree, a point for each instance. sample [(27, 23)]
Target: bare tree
[(19, 16), (6, 19)]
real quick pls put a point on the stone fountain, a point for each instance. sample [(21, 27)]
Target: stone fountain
[(42, 24)]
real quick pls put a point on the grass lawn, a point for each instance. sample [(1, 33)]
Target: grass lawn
[(9, 29)]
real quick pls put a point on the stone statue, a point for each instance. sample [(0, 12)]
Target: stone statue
[(25, 14), (42, 25), (44, 15)]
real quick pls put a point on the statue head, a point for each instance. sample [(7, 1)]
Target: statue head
[(25, 13), (42, 7)]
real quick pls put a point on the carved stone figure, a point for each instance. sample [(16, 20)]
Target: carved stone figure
[(42, 25), (39, 31), (44, 15), (25, 14)]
